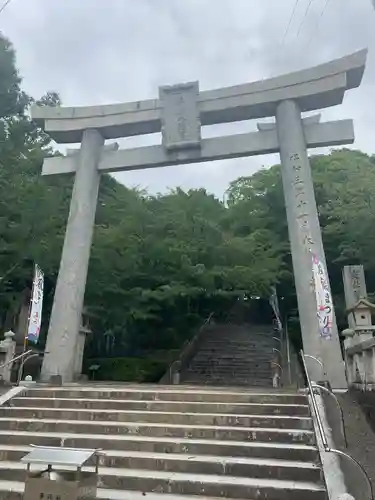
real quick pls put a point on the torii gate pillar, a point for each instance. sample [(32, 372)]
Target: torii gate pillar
[(67, 306), (306, 243)]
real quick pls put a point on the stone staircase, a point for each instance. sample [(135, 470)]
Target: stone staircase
[(233, 355), (176, 443)]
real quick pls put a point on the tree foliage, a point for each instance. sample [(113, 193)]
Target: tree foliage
[(344, 181)]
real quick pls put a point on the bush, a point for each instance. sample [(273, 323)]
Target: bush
[(126, 369)]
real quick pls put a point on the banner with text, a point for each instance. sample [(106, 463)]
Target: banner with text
[(36, 306), (323, 298)]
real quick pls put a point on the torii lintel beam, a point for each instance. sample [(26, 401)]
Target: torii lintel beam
[(255, 143), (314, 88)]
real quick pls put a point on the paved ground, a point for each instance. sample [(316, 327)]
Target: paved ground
[(361, 437)]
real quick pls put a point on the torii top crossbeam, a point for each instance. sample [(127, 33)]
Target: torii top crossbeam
[(314, 88)]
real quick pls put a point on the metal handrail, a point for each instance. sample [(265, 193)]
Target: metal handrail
[(332, 394), (208, 319), (278, 365), (319, 361), (315, 359), (15, 358), (322, 433), (24, 361), (187, 343)]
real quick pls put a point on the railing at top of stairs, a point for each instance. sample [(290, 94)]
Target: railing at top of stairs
[(188, 351), (313, 388), (20, 357)]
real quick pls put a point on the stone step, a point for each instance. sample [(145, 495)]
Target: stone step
[(235, 355), (167, 393), (227, 378), (242, 336), (192, 484), (240, 332), (179, 441), (210, 380), (227, 367), (300, 407), (244, 362), (13, 490), (295, 451), (236, 364), (218, 419), (230, 377), (160, 430), (251, 343), (230, 466), (239, 339), (240, 348)]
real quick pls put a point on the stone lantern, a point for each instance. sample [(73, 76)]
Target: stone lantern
[(361, 313), (359, 344)]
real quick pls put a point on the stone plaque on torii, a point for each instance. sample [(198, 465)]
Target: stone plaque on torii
[(178, 114)]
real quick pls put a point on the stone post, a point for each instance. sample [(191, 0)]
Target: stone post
[(354, 288), (78, 360), (305, 240), (8, 348), (67, 307), (84, 332)]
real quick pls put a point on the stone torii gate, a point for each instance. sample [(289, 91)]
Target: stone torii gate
[(178, 114)]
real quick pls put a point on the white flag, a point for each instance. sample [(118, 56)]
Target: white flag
[(35, 318), (323, 298)]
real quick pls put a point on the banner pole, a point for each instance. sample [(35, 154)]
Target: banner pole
[(26, 336)]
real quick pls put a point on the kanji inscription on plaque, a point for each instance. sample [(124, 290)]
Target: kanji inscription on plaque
[(181, 127)]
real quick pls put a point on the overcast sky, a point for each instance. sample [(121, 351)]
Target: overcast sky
[(105, 51)]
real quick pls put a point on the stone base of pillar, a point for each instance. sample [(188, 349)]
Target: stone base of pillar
[(55, 380)]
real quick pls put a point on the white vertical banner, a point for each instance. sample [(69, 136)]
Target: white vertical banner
[(323, 298), (36, 306)]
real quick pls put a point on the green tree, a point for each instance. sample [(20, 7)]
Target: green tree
[(25, 197), (344, 181)]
